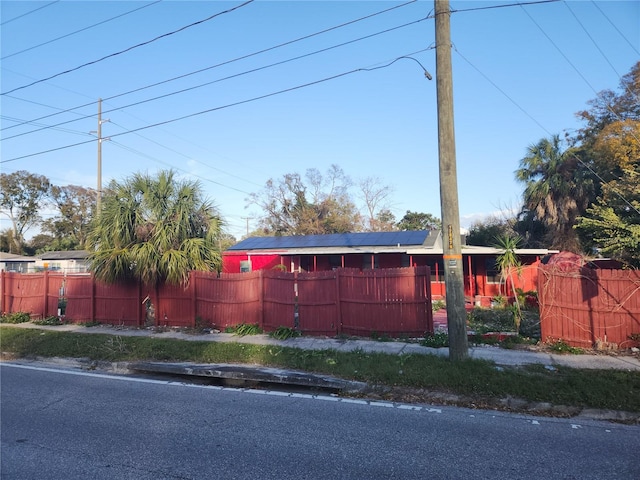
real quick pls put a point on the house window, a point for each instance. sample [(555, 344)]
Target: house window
[(20, 267), (492, 271)]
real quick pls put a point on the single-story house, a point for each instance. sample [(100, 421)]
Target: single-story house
[(69, 261), (10, 262), (310, 253)]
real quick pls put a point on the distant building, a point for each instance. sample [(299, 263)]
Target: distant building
[(69, 261), (10, 262)]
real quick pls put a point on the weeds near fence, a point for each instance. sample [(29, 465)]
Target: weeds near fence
[(17, 317), (244, 329), (560, 346), (435, 340), (53, 320), (284, 333)]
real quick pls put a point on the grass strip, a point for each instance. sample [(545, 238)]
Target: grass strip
[(604, 389)]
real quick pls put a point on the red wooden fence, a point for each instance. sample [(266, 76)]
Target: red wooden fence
[(586, 306), (390, 301)]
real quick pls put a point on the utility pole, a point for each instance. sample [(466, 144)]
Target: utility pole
[(99, 135), (452, 249), (247, 219)]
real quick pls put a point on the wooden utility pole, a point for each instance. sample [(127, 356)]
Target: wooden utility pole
[(452, 249), (99, 133), (100, 139)]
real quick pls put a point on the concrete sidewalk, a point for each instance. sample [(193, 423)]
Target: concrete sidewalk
[(500, 356)]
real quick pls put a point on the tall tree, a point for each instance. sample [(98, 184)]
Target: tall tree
[(75, 210), (22, 196), (612, 223), (611, 107), (317, 204), (375, 195), (419, 221), (155, 229), (557, 190), (487, 232)]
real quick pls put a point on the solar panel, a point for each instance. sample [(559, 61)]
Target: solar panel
[(370, 239)]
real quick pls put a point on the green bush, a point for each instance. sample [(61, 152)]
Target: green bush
[(245, 329), (561, 346), (437, 305), (284, 333), (16, 317), (485, 320), (53, 320), (435, 340)]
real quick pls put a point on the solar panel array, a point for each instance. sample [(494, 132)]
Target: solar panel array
[(368, 239)]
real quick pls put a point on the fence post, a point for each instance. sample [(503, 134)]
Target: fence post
[(93, 298), (194, 296), (261, 290), (45, 309), (2, 291), (139, 304), (338, 302)]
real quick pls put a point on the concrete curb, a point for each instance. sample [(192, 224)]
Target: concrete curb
[(251, 374)]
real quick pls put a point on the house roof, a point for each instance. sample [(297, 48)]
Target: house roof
[(422, 242), (12, 257), (65, 255), (339, 241)]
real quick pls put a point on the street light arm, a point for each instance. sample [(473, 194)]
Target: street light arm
[(427, 75)]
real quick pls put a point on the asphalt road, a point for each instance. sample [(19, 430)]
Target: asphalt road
[(68, 424)]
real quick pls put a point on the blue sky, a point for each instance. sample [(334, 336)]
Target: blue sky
[(520, 73)]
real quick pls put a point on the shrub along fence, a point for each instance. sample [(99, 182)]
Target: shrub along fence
[(590, 307), (392, 302)]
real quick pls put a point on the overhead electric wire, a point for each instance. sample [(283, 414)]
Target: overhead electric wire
[(596, 44), (264, 67), (189, 157), (227, 62), (29, 12), (222, 107), (616, 28), (574, 67), (65, 130), (78, 31), (541, 126), (145, 155), (519, 4), (164, 35)]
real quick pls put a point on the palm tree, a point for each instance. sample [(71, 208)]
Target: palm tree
[(558, 189), (154, 230)]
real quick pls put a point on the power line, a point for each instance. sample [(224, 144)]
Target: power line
[(222, 107), (574, 67), (593, 41), (616, 28), (264, 67), (137, 152), (227, 62), (78, 31), (190, 158), (519, 4), (130, 48), (29, 12), (585, 165)]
